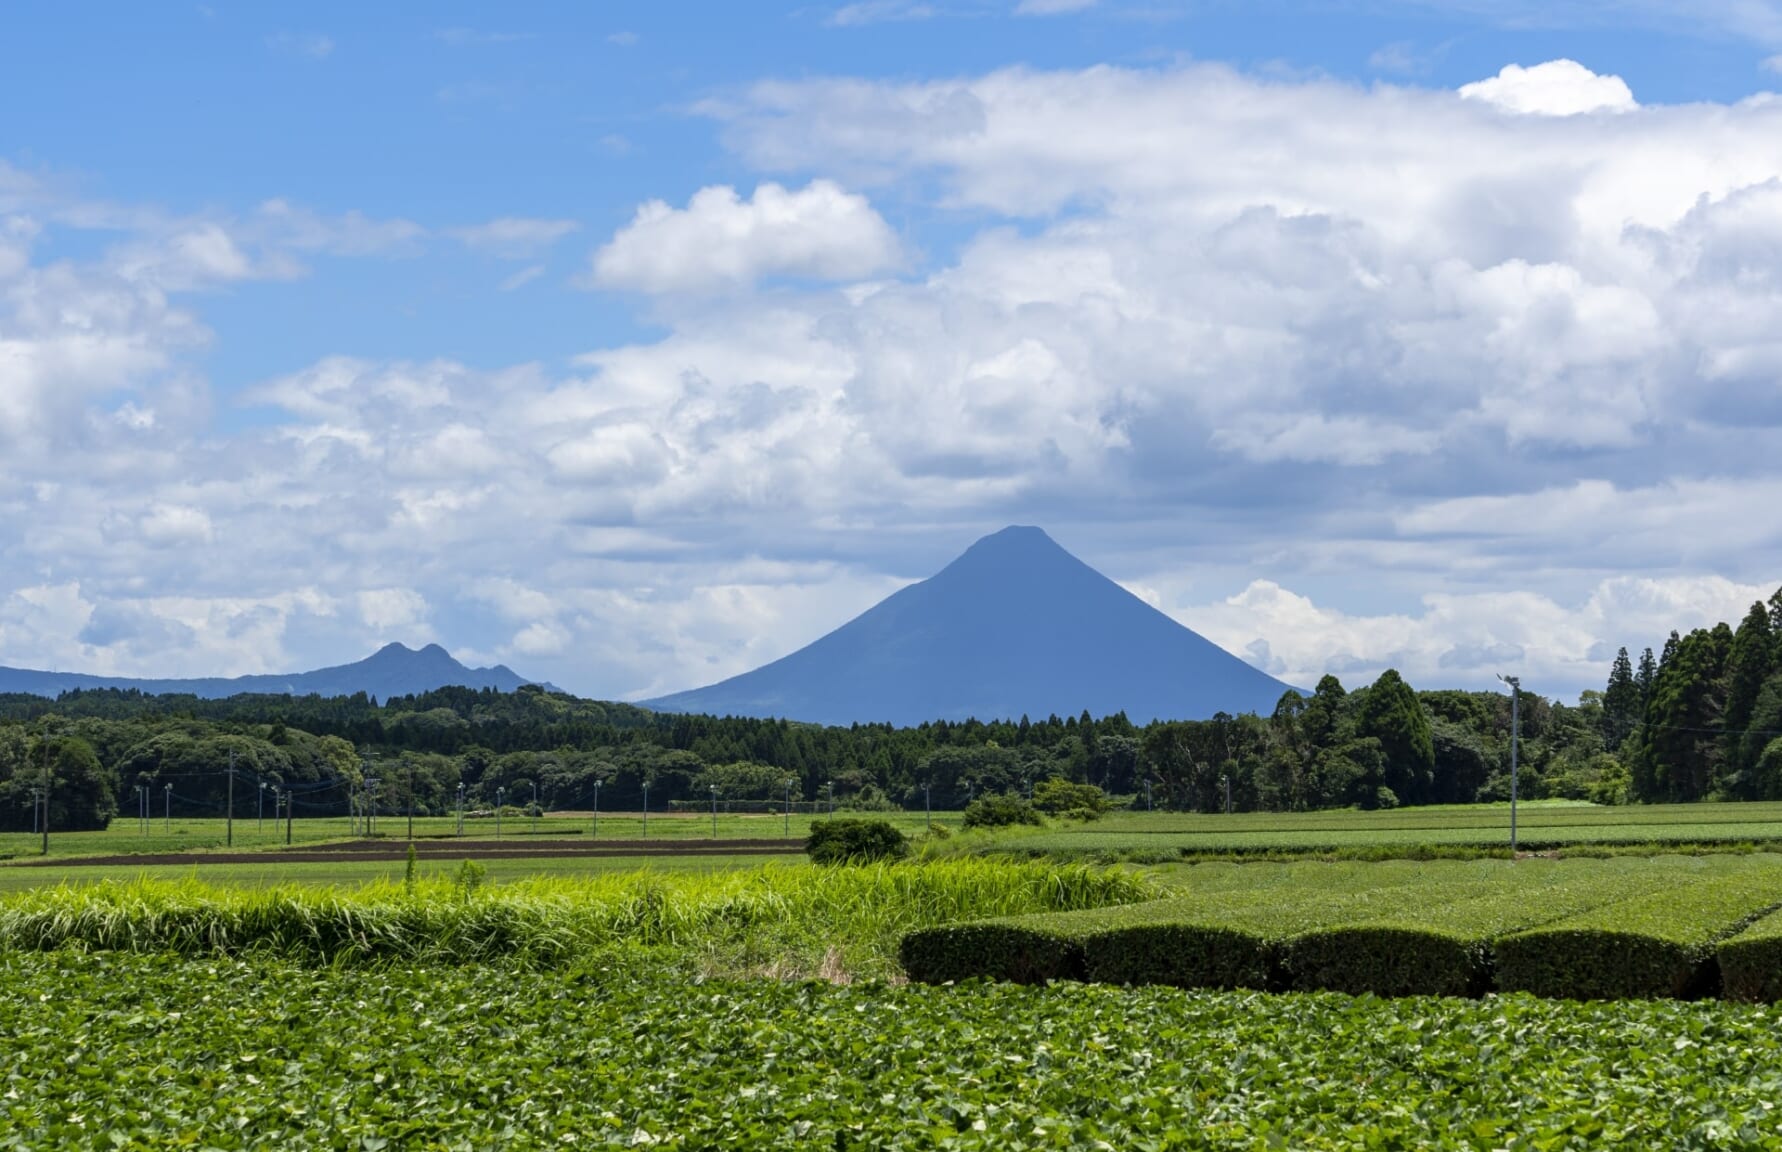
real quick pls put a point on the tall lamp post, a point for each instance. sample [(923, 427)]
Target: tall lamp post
[(260, 812), (646, 812), (1515, 683), (167, 806), (500, 795), (788, 829), (714, 811), (371, 783), (594, 831), (460, 809), (1225, 782)]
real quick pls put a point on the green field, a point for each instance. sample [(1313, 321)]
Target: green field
[(126, 835), (146, 1052), (1540, 826)]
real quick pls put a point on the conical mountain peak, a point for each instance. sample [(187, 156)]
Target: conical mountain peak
[(1016, 625)]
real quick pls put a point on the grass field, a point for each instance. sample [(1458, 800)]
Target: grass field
[(1540, 827), (127, 835)]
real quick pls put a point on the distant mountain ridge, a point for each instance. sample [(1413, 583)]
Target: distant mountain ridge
[(393, 670), (1015, 626)]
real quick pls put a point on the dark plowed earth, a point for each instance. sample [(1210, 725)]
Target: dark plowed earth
[(397, 851)]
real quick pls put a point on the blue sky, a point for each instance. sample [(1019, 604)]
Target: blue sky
[(633, 345)]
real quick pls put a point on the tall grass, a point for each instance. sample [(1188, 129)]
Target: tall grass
[(838, 922)]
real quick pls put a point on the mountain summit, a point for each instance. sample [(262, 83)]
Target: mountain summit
[(393, 670), (1015, 626)]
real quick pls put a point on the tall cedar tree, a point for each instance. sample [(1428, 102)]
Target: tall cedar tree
[(1621, 702), (1645, 678), (1680, 750), (1391, 713), (1748, 665)]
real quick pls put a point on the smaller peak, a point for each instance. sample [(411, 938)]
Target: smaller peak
[(394, 648), (434, 650)]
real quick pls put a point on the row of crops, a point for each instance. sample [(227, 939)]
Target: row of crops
[(1578, 929), (140, 1051)]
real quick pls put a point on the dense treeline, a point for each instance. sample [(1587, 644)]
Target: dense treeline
[(1703, 720)]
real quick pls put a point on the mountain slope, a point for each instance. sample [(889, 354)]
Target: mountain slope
[(393, 670), (1016, 625)]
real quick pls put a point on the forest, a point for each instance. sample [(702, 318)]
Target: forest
[(1701, 719)]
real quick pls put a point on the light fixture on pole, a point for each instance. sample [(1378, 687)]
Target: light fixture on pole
[(1515, 683)]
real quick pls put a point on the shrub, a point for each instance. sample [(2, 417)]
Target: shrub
[(1057, 796), (1000, 812), (1751, 962), (1021, 950), (853, 841), (1656, 945)]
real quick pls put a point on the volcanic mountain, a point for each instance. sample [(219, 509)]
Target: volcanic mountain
[(393, 670), (1015, 626)]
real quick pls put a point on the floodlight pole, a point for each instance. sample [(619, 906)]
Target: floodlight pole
[(1515, 683), (260, 813), (1226, 781), (832, 797), (500, 797), (788, 830), (594, 828), (714, 788), (460, 809), (290, 812), (645, 835), (167, 806)]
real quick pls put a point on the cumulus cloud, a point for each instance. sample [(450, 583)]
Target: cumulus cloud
[(878, 12), (1052, 7), (1556, 88), (721, 240), (1410, 380)]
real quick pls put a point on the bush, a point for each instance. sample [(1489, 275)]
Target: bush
[(1057, 796), (1751, 962), (1653, 946), (1021, 950), (852, 841), (1000, 812)]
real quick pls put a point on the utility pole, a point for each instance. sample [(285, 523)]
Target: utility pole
[(231, 818), (46, 791), (646, 812), (594, 831), (371, 783), (500, 794), (260, 812), (714, 811), (290, 806), (788, 829), (927, 807), (1148, 807), (410, 764), (1225, 781), (832, 797), (535, 807), (167, 807), (460, 809), (1515, 683)]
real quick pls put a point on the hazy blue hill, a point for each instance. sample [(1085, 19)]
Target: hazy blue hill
[(393, 670), (1015, 626)]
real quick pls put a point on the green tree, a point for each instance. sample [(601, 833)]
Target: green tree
[(1621, 701), (1748, 666), (1391, 713)]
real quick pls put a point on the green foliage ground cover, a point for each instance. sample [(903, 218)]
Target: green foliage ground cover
[(785, 921), (149, 1052), (1658, 944)]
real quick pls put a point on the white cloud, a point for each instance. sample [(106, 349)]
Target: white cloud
[(623, 39), (721, 240), (515, 237), (1556, 88), (1052, 7), (1468, 638), (878, 12), (391, 609), (312, 45), (522, 278)]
